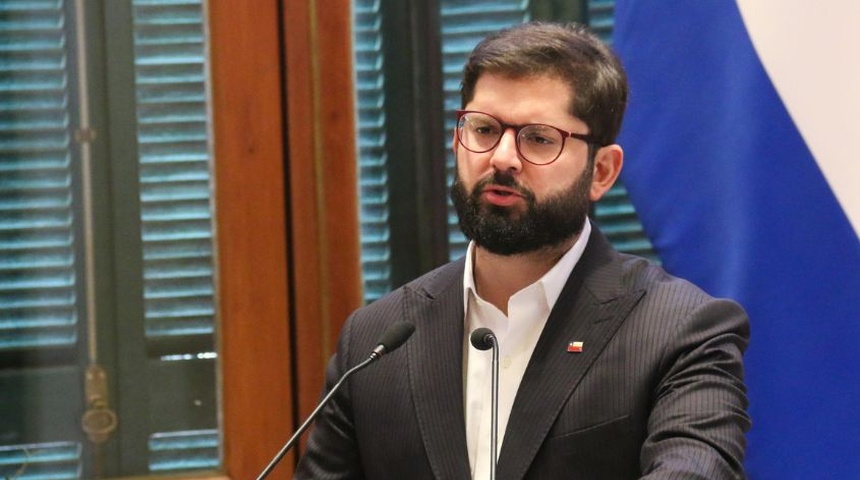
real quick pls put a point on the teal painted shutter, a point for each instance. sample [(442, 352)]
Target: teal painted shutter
[(601, 18), (373, 176), (37, 266), (614, 213), (176, 229), (617, 219), (464, 24), (173, 143), (42, 307), (39, 315)]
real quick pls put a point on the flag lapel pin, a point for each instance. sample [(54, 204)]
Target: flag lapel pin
[(575, 347)]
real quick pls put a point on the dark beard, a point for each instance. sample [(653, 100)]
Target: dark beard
[(509, 231)]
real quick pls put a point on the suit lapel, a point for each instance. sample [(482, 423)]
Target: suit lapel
[(435, 369), (590, 309)]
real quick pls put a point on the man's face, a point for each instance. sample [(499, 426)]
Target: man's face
[(505, 204)]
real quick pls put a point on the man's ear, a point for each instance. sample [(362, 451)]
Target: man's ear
[(608, 161)]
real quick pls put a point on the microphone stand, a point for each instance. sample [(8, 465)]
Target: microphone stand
[(392, 339), (286, 448), (494, 411), (484, 339)]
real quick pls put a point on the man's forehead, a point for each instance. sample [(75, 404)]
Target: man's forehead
[(540, 93)]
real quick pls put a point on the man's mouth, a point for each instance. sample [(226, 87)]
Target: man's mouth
[(503, 191), (500, 196)]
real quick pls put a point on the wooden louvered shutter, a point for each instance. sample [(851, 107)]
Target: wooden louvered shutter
[(39, 285), (614, 213), (176, 232), (37, 279), (153, 273), (372, 153), (173, 144)]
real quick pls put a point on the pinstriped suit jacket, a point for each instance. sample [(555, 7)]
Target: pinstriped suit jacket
[(657, 391)]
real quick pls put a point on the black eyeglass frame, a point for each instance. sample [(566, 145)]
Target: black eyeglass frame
[(589, 139)]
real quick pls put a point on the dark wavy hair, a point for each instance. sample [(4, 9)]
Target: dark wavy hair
[(571, 53)]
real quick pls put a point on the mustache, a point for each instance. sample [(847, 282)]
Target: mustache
[(502, 179)]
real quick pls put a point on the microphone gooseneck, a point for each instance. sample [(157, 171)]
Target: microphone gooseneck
[(393, 338), (484, 339)]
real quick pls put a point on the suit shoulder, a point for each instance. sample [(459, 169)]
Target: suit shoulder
[(430, 285), (664, 291)]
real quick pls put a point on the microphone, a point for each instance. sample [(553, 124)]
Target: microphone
[(392, 339), (484, 339)]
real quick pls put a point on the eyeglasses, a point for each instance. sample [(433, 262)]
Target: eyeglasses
[(536, 143)]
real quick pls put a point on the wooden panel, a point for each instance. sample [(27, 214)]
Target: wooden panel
[(323, 183), (253, 222), (251, 234)]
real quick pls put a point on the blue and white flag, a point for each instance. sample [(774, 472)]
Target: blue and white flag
[(741, 157)]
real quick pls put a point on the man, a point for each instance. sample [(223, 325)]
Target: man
[(610, 368)]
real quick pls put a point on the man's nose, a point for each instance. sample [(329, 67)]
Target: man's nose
[(505, 156)]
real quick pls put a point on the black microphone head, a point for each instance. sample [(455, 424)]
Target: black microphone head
[(394, 337), (483, 338)]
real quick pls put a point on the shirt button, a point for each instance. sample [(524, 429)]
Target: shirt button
[(506, 362)]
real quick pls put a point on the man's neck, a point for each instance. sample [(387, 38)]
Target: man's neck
[(498, 277)]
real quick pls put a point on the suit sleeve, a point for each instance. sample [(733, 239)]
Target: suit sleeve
[(332, 452), (698, 422)]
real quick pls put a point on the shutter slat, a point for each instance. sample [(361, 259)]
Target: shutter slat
[(45, 460), (183, 450), (601, 18)]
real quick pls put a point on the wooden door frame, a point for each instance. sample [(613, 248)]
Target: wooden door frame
[(286, 213)]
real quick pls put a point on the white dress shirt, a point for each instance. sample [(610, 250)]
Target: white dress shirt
[(517, 334)]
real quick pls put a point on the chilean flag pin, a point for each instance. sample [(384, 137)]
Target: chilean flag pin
[(574, 347)]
